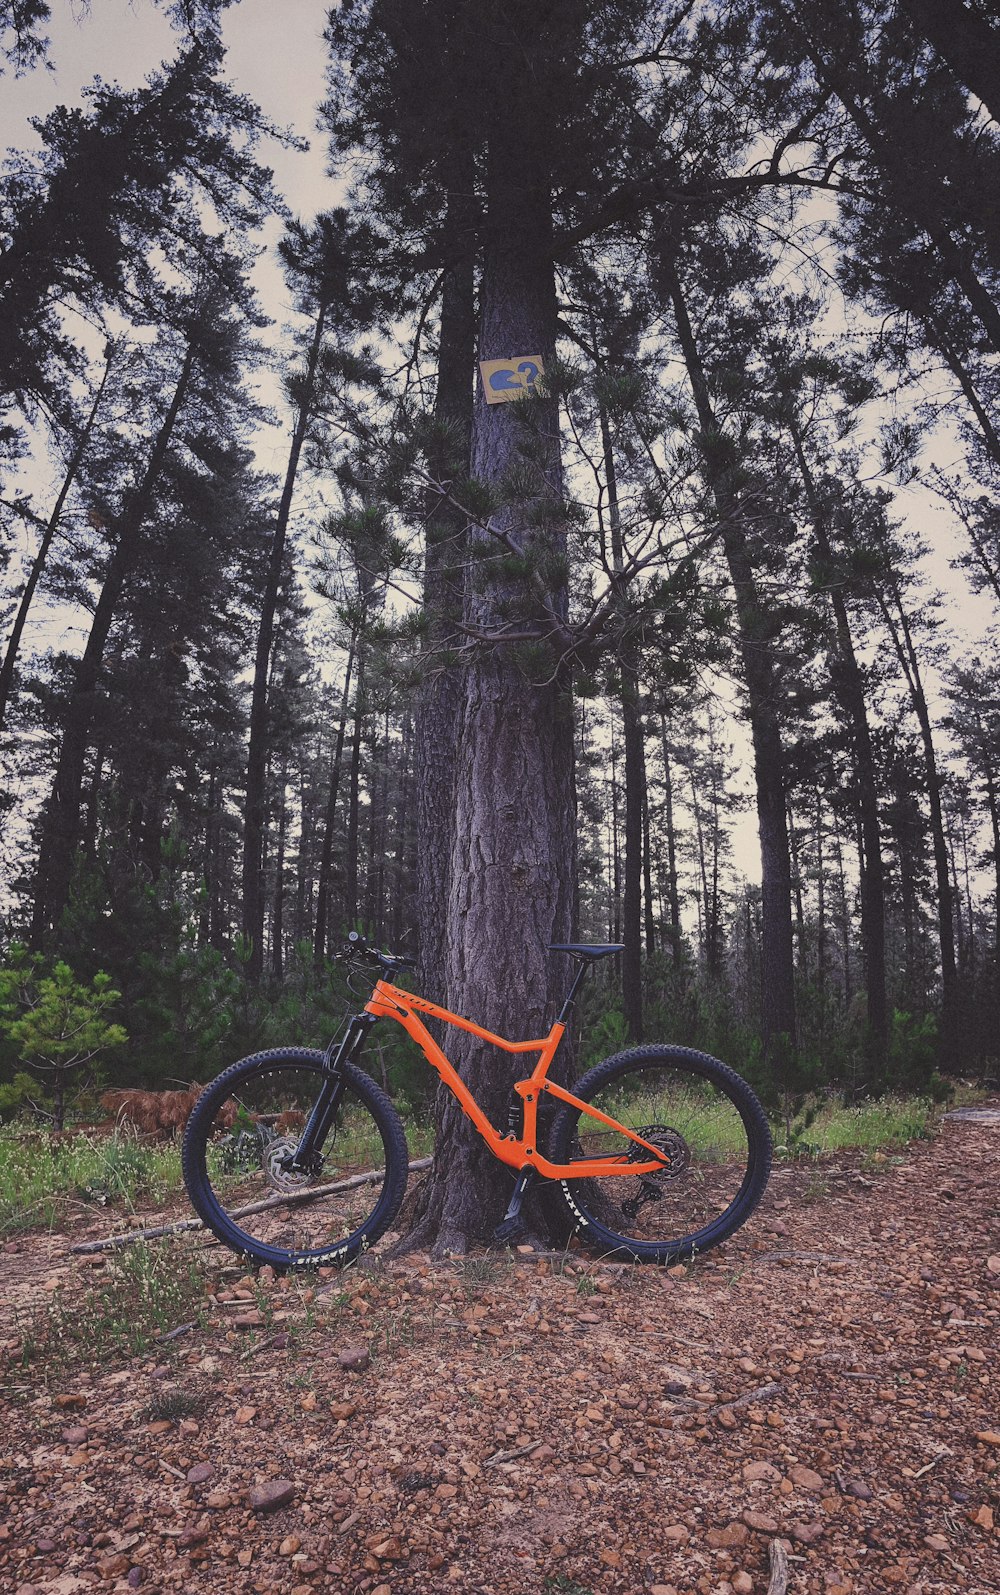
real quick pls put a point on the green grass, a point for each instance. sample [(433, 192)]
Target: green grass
[(870, 1127), (43, 1175), (146, 1293)]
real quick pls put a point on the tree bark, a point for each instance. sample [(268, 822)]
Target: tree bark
[(512, 873), (440, 698)]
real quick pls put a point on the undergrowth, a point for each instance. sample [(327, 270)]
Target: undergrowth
[(146, 1293), (42, 1173)]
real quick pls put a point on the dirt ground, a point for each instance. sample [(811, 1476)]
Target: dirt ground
[(517, 1425)]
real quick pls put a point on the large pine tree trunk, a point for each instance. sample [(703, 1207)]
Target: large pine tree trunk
[(440, 700), (512, 879), (325, 874), (61, 825)]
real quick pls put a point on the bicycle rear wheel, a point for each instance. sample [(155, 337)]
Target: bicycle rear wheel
[(702, 1116), (244, 1129)]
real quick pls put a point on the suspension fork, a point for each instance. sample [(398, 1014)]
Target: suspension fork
[(308, 1154)]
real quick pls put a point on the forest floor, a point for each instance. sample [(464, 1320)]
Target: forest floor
[(520, 1425)]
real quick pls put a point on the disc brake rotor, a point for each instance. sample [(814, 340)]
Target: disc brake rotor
[(276, 1155)]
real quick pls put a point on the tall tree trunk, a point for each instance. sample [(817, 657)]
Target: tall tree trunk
[(634, 764), (898, 627), (61, 825), (440, 697), (673, 893), (354, 804), (51, 527), (253, 823), (848, 684), (325, 874), (278, 899), (763, 695), (512, 879)]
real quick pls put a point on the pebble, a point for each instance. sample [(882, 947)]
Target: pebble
[(354, 1358), (272, 1495)]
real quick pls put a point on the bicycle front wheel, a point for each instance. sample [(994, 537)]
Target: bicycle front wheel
[(240, 1139), (701, 1116)]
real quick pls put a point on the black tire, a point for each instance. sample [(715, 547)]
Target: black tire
[(230, 1159), (696, 1108)]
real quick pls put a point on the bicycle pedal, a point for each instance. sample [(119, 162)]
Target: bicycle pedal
[(509, 1229)]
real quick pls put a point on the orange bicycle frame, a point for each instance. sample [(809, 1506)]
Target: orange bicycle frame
[(518, 1152)]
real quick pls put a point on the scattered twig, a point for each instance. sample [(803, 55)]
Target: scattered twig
[(283, 1199), (175, 1334), (762, 1393), (508, 1456), (777, 1552)]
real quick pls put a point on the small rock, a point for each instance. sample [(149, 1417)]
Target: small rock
[(806, 1533), (676, 1534), (742, 1583), (988, 1436), (43, 1547), (245, 1415), (761, 1470), (270, 1496), (354, 1358), (76, 1435), (760, 1522), (805, 1478), (937, 1542), (290, 1545), (135, 1577), (984, 1517), (342, 1410), (200, 1473), (724, 1539), (859, 1490)]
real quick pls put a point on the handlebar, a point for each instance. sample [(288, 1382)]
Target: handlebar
[(357, 950)]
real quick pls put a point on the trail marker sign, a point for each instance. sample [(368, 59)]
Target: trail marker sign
[(510, 379)]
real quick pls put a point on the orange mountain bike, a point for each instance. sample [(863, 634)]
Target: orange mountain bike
[(296, 1157)]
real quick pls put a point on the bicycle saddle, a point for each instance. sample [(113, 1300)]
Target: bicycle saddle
[(591, 950)]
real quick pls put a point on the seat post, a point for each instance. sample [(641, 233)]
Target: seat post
[(567, 1005)]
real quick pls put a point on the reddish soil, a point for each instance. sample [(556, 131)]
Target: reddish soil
[(522, 1426)]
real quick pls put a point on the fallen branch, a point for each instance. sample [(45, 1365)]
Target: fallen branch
[(760, 1394), (508, 1456), (286, 1199), (174, 1334), (778, 1557)]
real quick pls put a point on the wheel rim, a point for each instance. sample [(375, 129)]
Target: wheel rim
[(694, 1122), (261, 1203)]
